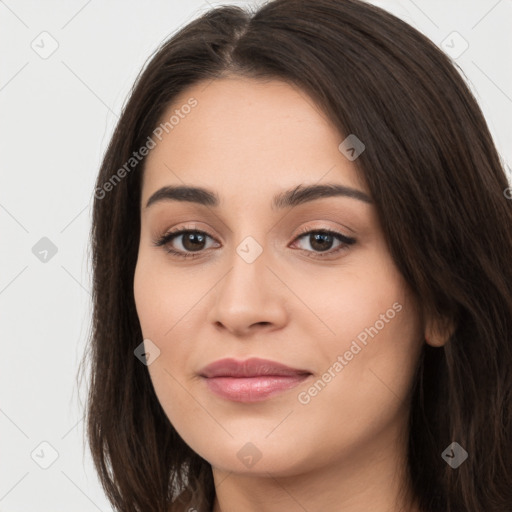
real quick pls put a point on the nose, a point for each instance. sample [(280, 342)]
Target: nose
[(250, 297)]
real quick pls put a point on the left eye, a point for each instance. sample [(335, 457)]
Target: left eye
[(193, 242), (322, 240)]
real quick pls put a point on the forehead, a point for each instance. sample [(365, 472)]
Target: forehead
[(245, 135)]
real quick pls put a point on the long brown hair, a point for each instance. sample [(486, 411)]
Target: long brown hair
[(438, 186)]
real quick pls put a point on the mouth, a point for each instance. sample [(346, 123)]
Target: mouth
[(252, 380)]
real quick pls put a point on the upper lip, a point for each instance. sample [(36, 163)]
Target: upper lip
[(252, 367)]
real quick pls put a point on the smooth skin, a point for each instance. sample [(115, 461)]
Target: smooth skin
[(247, 140)]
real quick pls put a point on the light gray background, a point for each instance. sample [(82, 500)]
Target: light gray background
[(57, 114)]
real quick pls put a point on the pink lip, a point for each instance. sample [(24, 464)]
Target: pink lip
[(252, 380)]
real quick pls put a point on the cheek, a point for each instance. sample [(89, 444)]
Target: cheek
[(161, 297), (380, 359), (166, 304), (369, 362), (362, 389), (368, 300)]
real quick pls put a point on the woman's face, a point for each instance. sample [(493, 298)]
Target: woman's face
[(260, 287)]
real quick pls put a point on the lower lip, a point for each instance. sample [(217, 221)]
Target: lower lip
[(252, 389)]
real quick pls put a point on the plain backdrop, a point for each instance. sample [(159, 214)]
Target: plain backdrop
[(66, 69)]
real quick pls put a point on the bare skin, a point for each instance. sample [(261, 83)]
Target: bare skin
[(343, 446)]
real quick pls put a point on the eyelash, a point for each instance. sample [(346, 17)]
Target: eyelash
[(169, 236)]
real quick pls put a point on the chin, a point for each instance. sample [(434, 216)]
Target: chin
[(256, 458)]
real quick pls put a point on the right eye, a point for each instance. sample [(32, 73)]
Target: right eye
[(192, 238)]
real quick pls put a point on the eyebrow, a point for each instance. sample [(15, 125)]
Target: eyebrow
[(289, 198)]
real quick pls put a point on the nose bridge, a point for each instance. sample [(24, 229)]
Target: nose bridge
[(249, 293), (249, 242), (248, 275)]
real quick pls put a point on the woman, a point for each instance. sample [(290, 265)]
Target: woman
[(302, 289)]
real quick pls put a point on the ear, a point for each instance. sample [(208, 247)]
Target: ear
[(439, 331)]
